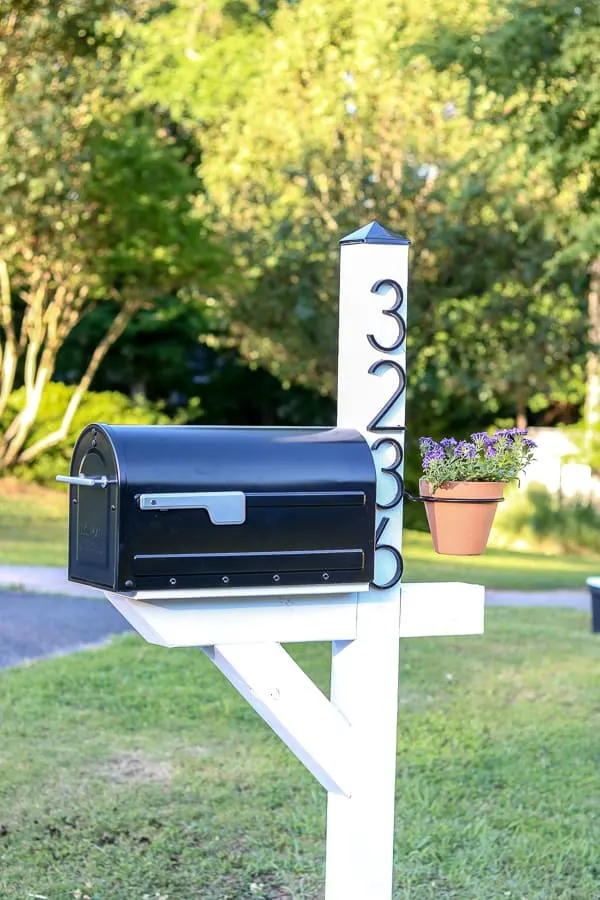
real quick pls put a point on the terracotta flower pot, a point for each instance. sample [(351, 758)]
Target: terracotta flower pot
[(461, 529)]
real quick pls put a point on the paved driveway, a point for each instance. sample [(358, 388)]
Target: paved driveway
[(37, 625)]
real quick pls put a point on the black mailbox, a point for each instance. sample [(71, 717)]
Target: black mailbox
[(180, 507)]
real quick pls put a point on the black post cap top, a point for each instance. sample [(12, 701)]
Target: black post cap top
[(374, 233)]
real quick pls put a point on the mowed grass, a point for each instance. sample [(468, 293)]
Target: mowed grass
[(33, 531), (137, 773), (33, 525), (501, 569)]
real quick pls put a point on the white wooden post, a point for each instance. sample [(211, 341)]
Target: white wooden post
[(364, 674), (349, 742)]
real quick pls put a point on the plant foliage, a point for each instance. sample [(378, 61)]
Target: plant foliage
[(499, 457)]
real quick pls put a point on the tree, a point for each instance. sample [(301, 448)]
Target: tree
[(311, 120), (535, 67), (508, 327), (316, 118), (97, 201)]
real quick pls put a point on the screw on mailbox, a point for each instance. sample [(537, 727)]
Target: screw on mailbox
[(225, 579), (172, 581), (325, 576), (276, 577)]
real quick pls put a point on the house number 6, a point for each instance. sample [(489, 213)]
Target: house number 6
[(376, 426)]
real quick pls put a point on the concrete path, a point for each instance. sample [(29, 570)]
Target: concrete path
[(573, 599), (43, 580)]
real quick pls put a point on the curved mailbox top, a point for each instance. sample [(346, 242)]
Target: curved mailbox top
[(155, 507), (176, 456)]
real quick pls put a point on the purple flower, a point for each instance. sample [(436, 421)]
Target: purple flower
[(490, 451), (434, 454), (465, 450), (426, 443), (511, 433), (448, 442), (531, 445), (505, 437), (479, 436)]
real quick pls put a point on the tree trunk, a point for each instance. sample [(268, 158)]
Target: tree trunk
[(521, 417), (592, 391), (9, 349), (22, 424), (118, 326)]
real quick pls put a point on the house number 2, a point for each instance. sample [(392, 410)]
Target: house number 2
[(375, 425)]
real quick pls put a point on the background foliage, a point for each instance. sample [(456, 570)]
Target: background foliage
[(187, 170)]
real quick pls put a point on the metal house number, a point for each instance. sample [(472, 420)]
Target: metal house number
[(375, 425)]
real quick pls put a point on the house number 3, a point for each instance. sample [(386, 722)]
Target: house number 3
[(375, 425)]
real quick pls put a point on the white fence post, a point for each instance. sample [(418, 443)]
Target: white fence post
[(364, 682)]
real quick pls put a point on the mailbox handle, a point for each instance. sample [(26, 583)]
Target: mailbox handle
[(223, 507), (84, 480)]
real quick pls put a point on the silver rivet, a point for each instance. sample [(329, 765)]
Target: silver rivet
[(75, 501), (113, 506), (172, 581), (94, 443), (225, 579), (129, 584), (276, 577), (325, 576)]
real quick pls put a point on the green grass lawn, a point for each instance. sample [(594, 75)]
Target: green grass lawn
[(33, 525), (33, 531), (137, 773), (508, 569)]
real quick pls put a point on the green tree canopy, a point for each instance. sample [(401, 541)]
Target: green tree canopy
[(98, 199), (533, 68), (314, 119)]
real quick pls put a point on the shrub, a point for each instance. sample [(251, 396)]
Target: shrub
[(534, 519), (105, 406)]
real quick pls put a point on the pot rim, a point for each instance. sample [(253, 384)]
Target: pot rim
[(423, 478), (454, 487)]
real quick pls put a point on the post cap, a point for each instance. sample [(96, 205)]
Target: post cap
[(374, 233)]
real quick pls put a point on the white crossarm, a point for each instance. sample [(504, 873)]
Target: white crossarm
[(435, 609), (285, 697), (426, 610)]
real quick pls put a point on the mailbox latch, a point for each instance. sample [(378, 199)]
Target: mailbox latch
[(84, 480), (223, 507)]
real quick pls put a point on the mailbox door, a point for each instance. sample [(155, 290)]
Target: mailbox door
[(286, 539), (93, 519)]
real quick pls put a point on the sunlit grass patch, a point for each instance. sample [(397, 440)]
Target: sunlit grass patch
[(135, 771)]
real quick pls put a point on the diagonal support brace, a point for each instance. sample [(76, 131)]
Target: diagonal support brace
[(285, 697)]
